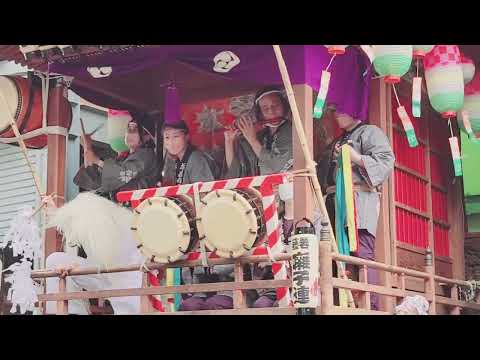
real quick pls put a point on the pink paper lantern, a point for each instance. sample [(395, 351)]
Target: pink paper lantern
[(444, 77)]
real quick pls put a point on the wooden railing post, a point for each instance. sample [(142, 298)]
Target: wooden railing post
[(62, 305), (364, 299), (239, 296), (144, 301), (430, 283), (326, 272), (455, 310)]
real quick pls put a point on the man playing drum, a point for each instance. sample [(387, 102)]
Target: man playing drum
[(186, 165)]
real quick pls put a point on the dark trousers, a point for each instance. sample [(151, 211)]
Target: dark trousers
[(366, 250)]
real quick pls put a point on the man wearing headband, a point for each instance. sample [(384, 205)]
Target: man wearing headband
[(248, 153), (372, 162), (268, 151), (131, 170), (184, 164)]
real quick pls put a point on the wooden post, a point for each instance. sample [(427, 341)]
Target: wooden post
[(56, 161), (326, 271), (379, 114), (303, 206), (62, 305), (455, 310), (364, 300), (144, 301), (239, 297), (430, 283)]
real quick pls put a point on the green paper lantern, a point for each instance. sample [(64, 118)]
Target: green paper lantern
[(392, 61)]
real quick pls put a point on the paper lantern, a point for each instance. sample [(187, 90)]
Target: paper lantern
[(419, 51), (468, 68), (392, 61), (336, 49), (444, 77), (471, 104), (117, 125)]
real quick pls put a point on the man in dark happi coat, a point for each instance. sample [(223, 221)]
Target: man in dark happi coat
[(131, 170), (269, 151), (184, 164)]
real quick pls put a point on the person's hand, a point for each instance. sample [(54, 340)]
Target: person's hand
[(159, 184), (230, 136), (336, 151), (64, 270), (246, 126)]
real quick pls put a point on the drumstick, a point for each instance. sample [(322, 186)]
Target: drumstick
[(96, 129)]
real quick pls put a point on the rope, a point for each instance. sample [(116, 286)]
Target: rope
[(396, 95), (330, 63)]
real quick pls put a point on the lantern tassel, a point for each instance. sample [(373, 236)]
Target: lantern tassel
[(406, 122), (454, 148)]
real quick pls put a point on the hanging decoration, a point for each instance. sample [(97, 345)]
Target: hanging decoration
[(406, 122), (445, 85), (24, 238), (333, 50), (392, 61), (419, 52), (172, 105)]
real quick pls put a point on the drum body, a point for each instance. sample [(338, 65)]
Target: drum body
[(165, 228), (231, 221), (24, 102)]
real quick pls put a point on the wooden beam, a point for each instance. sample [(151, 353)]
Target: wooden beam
[(164, 290), (135, 103)]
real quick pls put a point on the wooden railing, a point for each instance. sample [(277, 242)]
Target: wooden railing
[(327, 283)]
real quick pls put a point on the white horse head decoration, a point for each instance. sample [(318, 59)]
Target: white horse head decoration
[(225, 61)]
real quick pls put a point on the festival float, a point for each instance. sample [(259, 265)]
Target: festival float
[(419, 246)]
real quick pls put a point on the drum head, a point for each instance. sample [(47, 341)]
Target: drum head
[(228, 222), (162, 229), (9, 91)]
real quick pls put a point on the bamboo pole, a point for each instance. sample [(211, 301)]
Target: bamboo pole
[(310, 163)]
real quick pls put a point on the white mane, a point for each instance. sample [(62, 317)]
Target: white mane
[(99, 226)]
